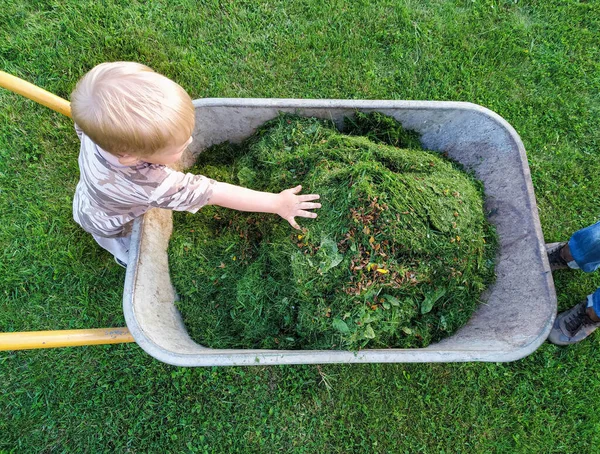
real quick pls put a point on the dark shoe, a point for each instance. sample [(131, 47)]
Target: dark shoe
[(556, 261), (572, 326)]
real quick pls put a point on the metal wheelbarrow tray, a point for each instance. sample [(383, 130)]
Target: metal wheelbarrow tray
[(517, 311)]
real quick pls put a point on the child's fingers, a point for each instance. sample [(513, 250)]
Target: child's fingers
[(297, 189), (293, 223), (306, 214), (309, 197), (308, 205)]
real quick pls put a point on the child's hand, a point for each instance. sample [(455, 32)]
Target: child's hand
[(291, 205), (286, 204)]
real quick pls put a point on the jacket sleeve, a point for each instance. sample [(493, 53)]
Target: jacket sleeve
[(182, 192)]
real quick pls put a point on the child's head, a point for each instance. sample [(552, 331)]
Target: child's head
[(131, 111)]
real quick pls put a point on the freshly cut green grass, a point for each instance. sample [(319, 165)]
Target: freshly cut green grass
[(397, 257), (534, 62)]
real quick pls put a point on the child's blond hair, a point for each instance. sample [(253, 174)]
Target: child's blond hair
[(128, 109)]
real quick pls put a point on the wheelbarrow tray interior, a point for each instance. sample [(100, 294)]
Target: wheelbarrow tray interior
[(517, 311)]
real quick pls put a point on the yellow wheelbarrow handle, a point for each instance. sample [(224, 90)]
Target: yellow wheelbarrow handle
[(35, 93), (65, 338)]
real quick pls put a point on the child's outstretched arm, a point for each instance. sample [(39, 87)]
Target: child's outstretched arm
[(286, 204)]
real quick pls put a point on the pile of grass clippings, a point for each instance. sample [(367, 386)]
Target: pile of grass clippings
[(398, 256)]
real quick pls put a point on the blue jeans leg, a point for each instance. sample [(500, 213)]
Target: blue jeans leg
[(585, 249), (595, 300)]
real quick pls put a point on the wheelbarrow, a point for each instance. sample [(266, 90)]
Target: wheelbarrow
[(517, 312)]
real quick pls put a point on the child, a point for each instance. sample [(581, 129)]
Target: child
[(133, 123), (582, 251)]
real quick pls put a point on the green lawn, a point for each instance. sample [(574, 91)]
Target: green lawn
[(536, 63)]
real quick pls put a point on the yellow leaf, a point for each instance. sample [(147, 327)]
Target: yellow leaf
[(382, 271), (371, 240)]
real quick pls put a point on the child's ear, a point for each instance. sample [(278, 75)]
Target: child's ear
[(127, 160)]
